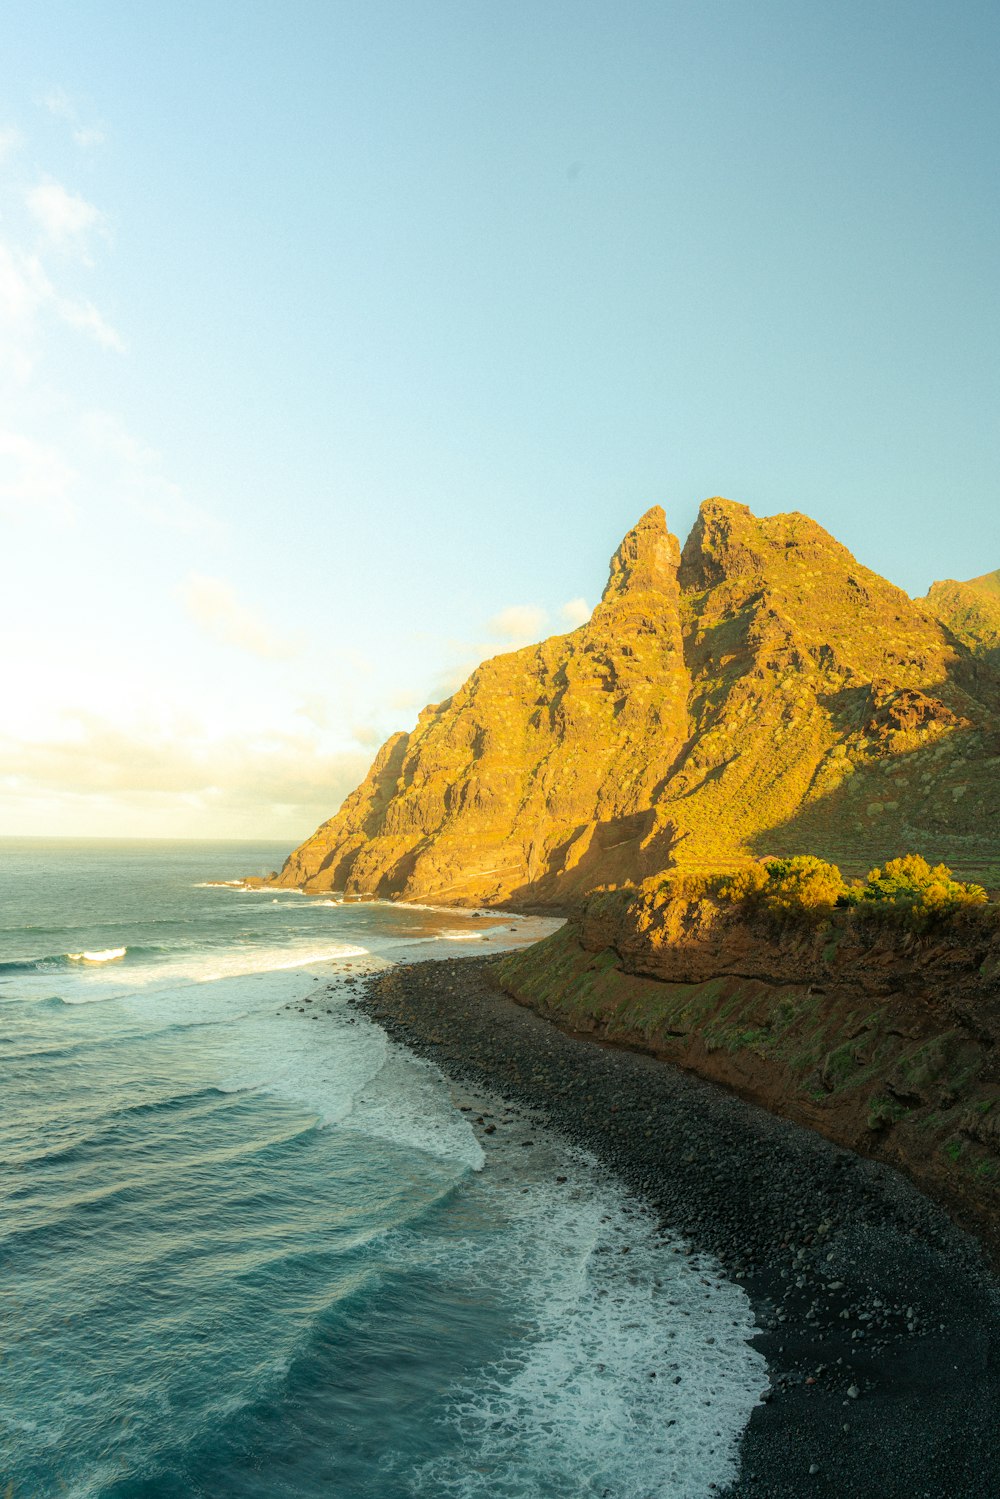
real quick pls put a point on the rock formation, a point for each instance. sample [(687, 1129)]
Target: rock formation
[(759, 692)]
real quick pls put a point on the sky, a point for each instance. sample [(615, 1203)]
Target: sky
[(341, 343)]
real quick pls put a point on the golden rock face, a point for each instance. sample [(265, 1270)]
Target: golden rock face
[(759, 692)]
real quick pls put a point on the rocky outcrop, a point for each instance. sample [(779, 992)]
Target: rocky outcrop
[(759, 691), (883, 1040)]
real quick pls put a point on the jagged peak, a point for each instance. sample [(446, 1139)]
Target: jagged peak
[(721, 526), (646, 561), (728, 541)]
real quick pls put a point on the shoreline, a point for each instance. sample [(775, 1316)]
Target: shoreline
[(879, 1317)]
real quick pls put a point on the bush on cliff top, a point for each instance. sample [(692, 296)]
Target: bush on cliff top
[(789, 889), (794, 889), (916, 892), (805, 890)]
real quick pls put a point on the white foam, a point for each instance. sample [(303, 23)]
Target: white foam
[(346, 1071), (209, 967), (573, 1409), (362, 1081), (407, 1103), (153, 983), (105, 955), (241, 888)]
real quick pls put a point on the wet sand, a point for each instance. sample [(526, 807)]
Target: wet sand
[(879, 1318)]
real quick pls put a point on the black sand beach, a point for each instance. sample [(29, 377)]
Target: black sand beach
[(879, 1319)]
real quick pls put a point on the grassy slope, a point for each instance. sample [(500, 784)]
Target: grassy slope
[(871, 1075)]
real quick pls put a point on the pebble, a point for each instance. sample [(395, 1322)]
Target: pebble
[(786, 1200)]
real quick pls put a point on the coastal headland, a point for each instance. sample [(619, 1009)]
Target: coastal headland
[(756, 692), (737, 778)]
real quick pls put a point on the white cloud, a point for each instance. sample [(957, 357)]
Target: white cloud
[(133, 472), (516, 626), (24, 290), (575, 612), (95, 775), (34, 477), (213, 604), (520, 622), (368, 734), (67, 220), (24, 286), (59, 103), (86, 317), (11, 140), (317, 710), (406, 697), (25, 293)]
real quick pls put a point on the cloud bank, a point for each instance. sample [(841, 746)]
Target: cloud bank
[(213, 604)]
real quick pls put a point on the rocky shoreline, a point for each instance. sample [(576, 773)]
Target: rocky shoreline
[(879, 1318)]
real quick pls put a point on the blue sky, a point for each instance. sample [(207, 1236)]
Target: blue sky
[(339, 344)]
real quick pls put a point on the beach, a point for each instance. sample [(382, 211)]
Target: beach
[(878, 1317)]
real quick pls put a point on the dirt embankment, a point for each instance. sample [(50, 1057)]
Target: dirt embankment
[(882, 1040)]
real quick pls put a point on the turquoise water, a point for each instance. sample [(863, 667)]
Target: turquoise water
[(246, 1251)]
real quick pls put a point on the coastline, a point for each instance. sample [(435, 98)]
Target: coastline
[(878, 1316)]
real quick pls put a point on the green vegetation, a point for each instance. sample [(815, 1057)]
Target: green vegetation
[(803, 890), (789, 890), (915, 892), (896, 1078), (883, 1112)]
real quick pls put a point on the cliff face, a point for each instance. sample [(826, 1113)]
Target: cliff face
[(761, 691), (885, 1041), (547, 762)]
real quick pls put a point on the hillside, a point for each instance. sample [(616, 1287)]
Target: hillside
[(760, 691), (877, 1035), (971, 611)]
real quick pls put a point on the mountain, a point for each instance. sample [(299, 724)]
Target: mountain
[(971, 611), (759, 691), (987, 583)]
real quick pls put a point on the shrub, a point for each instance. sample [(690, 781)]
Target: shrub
[(805, 890), (916, 892), (801, 888), (745, 886), (688, 884)]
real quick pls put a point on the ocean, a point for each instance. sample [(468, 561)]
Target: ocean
[(251, 1247)]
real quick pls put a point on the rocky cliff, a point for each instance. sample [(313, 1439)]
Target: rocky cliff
[(884, 1039), (759, 691)]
